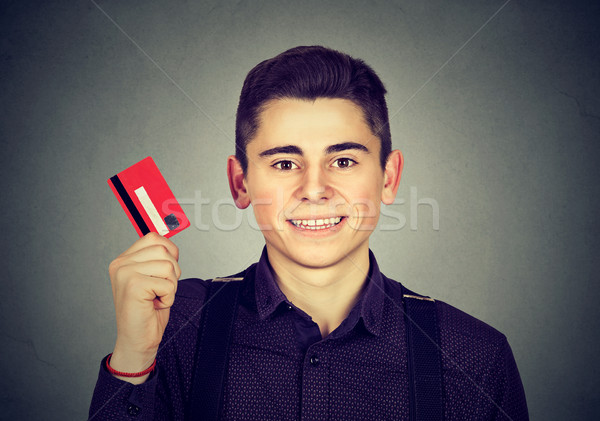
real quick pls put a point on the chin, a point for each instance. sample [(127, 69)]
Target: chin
[(316, 257)]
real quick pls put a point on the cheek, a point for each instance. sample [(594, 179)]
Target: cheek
[(364, 199), (264, 206), (266, 213), (268, 205), (364, 216), (268, 193), (363, 193)]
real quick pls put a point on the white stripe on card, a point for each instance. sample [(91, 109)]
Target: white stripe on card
[(150, 209)]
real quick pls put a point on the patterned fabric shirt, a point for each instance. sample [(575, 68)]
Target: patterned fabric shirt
[(281, 369)]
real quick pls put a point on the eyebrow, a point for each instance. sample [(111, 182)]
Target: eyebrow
[(288, 149), (295, 150), (340, 147)]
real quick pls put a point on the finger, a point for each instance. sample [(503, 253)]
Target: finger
[(166, 301), (156, 268), (148, 288), (153, 238), (154, 252), (134, 275)]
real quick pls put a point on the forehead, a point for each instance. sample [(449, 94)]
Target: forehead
[(320, 122)]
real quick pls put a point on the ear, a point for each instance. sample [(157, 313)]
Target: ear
[(237, 183), (392, 173)]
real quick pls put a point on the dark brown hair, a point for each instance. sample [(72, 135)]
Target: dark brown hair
[(309, 73)]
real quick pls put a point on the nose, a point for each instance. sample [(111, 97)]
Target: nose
[(315, 186)]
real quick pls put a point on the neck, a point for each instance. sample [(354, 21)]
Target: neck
[(327, 294)]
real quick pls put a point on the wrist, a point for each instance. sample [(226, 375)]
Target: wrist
[(128, 364), (118, 373), (129, 361)]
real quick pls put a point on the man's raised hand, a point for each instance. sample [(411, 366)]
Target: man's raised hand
[(144, 281)]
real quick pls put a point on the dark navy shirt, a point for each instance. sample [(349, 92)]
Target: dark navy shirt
[(281, 369)]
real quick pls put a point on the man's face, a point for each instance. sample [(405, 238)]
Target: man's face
[(315, 181)]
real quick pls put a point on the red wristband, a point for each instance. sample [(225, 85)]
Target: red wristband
[(120, 373)]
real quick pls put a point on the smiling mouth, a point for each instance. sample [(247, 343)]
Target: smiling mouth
[(316, 224)]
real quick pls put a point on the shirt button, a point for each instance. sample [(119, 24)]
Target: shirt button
[(133, 410), (314, 360), (289, 307)]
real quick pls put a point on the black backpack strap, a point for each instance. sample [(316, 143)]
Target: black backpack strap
[(212, 350), (424, 358)]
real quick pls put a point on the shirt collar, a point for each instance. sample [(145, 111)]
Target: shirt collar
[(371, 310), (370, 305), (268, 294)]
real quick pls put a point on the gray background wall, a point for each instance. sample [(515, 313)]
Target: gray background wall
[(498, 122)]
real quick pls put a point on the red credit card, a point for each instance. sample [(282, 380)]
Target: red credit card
[(147, 200)]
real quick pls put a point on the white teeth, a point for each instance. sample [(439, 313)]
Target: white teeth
[(317, 224)]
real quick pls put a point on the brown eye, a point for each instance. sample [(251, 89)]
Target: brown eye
[(285, 165), (344, 163)]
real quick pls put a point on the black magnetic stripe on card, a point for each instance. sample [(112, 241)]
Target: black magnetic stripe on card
[(135, 214)]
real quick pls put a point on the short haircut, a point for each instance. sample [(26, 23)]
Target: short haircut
[(308, 73)]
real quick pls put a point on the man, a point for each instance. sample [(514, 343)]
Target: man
[(319, 332)]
